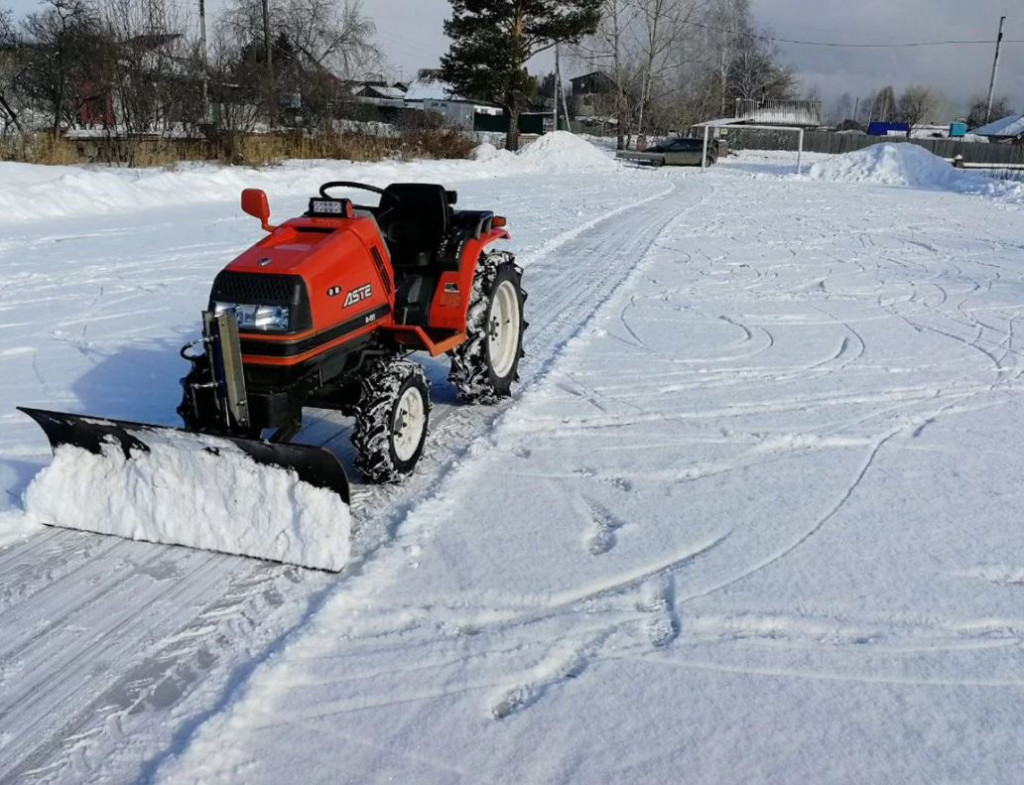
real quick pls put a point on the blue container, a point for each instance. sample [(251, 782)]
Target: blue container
[(958, 130), (884, 129)]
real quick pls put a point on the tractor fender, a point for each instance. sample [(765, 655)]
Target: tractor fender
[(455, 289)]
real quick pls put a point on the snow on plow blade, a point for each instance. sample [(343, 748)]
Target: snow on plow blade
[(278, 502)]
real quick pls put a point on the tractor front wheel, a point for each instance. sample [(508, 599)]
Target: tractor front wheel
[(486, 365), (391, 420)]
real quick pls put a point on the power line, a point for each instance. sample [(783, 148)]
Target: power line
[(837, 45)]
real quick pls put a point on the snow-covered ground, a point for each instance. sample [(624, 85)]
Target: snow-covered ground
[(752, 517)]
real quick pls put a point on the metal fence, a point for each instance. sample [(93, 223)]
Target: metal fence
[(837, 143)]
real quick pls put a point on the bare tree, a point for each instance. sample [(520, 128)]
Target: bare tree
[(63, 45), (841, 110), (756, 73), (866, 108), (606, 51), (678, 62), (661, 25), (916, 105), (317, 46), (151, 74), (727, 21), (11, 70), (333, 36), (883, 108), (976, 117)]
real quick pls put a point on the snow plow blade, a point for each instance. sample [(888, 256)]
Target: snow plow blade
[(290, 507)]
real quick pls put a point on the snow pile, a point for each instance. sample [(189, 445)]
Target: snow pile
[(32, 192), (182, 493), (888, 164), (556, 152), (488, 153), (562, 151), (912, 166)]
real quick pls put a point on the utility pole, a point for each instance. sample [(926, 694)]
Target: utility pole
[(266, 38), (558, 80), (205, 61), (995, 72), (565, 106)]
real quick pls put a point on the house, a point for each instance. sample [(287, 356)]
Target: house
[(379, 91), (594, 83), (593, 94), (428, 86), (430, 93), (148, 60), (1006, 130)]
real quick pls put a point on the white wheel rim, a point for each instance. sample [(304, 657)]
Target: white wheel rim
[(503, 330), (410, 421)]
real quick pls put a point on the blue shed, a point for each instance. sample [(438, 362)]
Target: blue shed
[(885, 129)]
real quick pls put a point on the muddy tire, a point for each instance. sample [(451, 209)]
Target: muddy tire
[(392, 419), (485, 367)]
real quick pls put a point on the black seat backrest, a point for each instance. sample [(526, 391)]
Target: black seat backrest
[(418, 227)]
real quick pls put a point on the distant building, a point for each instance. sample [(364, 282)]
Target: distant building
[(889, 129), (430, 93), (377, 91), (594, 83), (428, 86), (1007, 130), (593, 94)]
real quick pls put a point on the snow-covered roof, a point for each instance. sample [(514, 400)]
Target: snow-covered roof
[(389, 92), (429, 90), (1011, 127)]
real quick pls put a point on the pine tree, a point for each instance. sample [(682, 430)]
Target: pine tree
[(492, 41)]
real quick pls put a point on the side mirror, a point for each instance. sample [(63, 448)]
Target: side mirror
[(256, 204)]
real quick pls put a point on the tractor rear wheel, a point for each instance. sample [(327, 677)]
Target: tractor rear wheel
[(486, 365), (391, 420)]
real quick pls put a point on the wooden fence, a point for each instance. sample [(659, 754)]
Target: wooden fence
[(994, 155)]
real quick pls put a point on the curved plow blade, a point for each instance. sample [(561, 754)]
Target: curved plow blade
[(155, 473)]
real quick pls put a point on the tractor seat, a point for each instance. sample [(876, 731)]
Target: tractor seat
[(418, 227)]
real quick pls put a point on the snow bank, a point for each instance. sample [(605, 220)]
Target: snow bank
[(562, 151), (488, 153), (888, 164), (31, 192), (911, 166), (183, 494)]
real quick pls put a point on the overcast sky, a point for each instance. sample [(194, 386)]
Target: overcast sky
[(411, 35)]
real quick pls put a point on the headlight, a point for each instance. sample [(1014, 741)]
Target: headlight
[(266, 318)]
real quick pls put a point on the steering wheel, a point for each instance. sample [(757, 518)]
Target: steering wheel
[(385, 195)]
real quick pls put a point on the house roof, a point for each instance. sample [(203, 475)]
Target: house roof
[(591, 75), (379, 91), (429, 90), (1008, 127)]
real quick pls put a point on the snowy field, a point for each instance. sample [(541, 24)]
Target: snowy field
[(753, 517)]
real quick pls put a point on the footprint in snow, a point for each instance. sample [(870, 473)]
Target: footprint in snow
[(557, 669), (605, 525), (658, 602)]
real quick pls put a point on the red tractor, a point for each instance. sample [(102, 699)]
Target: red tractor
[(323, 312)]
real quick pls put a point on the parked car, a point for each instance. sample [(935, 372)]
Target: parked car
[(682, 151)]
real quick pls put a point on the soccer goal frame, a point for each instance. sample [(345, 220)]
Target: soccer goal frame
[(791, 128)]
